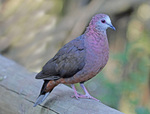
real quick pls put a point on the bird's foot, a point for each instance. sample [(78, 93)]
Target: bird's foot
[(86, 96), (77, 96)]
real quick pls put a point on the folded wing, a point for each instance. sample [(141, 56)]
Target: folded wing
[(69, 60)]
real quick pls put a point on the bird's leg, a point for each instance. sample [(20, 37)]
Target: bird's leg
[(87, 95), (76, 95)]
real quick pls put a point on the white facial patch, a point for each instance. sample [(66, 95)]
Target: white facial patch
[(108, 20)]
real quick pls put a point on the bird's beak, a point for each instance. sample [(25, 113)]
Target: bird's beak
[(112, 27)]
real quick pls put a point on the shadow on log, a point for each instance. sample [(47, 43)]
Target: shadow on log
[(19, 89)]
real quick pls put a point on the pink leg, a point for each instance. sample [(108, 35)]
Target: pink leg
[(87, 95), (76, 95)]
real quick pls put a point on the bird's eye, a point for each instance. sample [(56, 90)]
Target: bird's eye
[(103, 21)]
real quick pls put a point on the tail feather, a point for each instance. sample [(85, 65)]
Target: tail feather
[(45, 91), (40, 99)]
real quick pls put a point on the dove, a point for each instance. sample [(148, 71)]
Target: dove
[(79, 60)]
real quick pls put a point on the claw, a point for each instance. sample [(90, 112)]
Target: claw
[(76, 96)]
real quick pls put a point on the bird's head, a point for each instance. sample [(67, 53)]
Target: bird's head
[(101, 22)]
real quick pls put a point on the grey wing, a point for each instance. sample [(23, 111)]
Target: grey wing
[(68, 61)]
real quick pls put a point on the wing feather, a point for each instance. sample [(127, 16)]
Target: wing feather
[(68, 61)]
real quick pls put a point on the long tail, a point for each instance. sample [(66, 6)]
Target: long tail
[(47, 87)]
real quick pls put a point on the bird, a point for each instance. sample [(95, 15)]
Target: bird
[(79, 60)]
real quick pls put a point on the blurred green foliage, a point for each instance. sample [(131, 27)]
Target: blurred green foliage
[(142, 110)]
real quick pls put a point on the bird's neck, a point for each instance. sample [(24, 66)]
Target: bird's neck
[(96, 40), (97, 34)]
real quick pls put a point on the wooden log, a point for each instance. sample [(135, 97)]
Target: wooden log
[(19, 90)]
